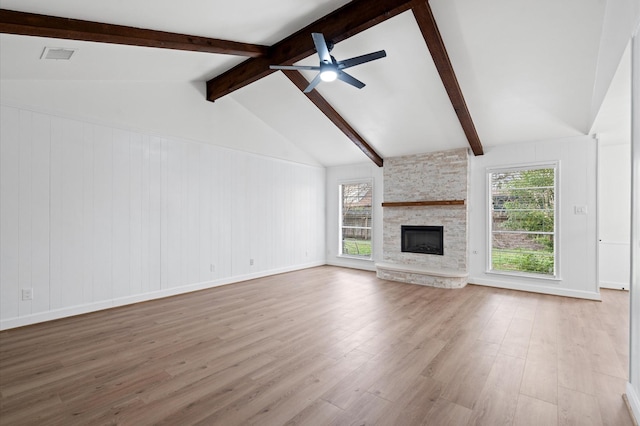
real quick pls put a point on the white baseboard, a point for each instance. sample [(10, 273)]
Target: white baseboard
[(534, 288), (633, 400), (345, 262), (70, 311), (614, 285)]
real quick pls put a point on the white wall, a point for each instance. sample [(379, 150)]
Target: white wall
[(633, 386), (614, 195), (173, 109), (577, 246), (343, 174), (93, 216)]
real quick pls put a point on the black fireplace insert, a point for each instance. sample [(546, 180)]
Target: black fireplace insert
[(422, 239)]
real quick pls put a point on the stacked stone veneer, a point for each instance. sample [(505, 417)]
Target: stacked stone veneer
[(426, 177)]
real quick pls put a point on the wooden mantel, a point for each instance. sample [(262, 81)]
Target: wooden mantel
[(425, 203)]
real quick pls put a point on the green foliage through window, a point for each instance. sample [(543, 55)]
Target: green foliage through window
[(355, 219), (523, 220)]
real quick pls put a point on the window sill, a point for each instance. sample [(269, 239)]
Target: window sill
[(524, 275), (346, 256)]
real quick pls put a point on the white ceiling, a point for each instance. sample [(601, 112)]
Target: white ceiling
[(529, 70)]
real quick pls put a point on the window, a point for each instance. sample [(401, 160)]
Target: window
[(523, 221), (355, 219)]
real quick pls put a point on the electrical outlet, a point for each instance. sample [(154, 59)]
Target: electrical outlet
[(251, 262), (27, 294), (212, 268)]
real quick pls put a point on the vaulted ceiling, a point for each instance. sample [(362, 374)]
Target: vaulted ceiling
[(524, 70)]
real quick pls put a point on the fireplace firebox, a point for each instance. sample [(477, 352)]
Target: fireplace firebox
[(422, 239)]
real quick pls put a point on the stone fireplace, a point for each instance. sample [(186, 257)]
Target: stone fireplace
[(426, 191)]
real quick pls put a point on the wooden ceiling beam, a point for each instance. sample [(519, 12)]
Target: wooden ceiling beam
[(353, 18), (31, 24), (298, 79), (426, 22)]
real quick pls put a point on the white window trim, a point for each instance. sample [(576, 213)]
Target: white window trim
[(556, 222), (373, 219)]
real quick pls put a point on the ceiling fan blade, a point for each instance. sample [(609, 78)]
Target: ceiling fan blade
[(313, 84), (350, 79), (347, 63), (294, 67), (321, 48)]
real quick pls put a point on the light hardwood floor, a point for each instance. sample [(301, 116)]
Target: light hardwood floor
[(325, 346)]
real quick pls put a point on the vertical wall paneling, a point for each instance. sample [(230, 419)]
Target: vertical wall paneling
[(156, 214), (303, 220), (121, 213), (9, 214), (40, 212), (56, 232), (135, 214), (24, 208), (254, 219), (193, 212), (145, 202), (270, 209), (237, 185), (305, 202), (204, 215), (102, 213), (182, 225), (86, 262), (214, 213), (164, 213), (183, 218), (93, 216), (290, 206), (281, 237), (275, 220), (170, 244), (300, 219), (71, 220), (224, 191), (296, 206), (228, 206)]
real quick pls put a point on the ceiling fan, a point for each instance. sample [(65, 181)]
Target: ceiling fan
[(330, 69)]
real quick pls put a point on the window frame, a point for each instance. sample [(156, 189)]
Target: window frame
[(555, 165), (370, 182)]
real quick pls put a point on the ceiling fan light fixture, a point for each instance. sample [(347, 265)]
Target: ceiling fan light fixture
[(329, 69), (328, 75)]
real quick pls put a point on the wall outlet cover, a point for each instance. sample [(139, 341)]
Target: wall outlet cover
[(27, 294)]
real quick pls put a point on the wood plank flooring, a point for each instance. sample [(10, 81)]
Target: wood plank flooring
[(325, 346)]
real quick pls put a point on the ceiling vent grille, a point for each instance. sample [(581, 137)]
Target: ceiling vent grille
[(60, 53)]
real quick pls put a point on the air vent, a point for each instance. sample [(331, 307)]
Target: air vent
[(57, 53)]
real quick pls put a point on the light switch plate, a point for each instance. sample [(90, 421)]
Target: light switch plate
[(580, 209)]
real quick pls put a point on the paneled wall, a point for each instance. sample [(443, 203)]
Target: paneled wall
[(614, 205), (577, 236), (345, 174), (93, 216)]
